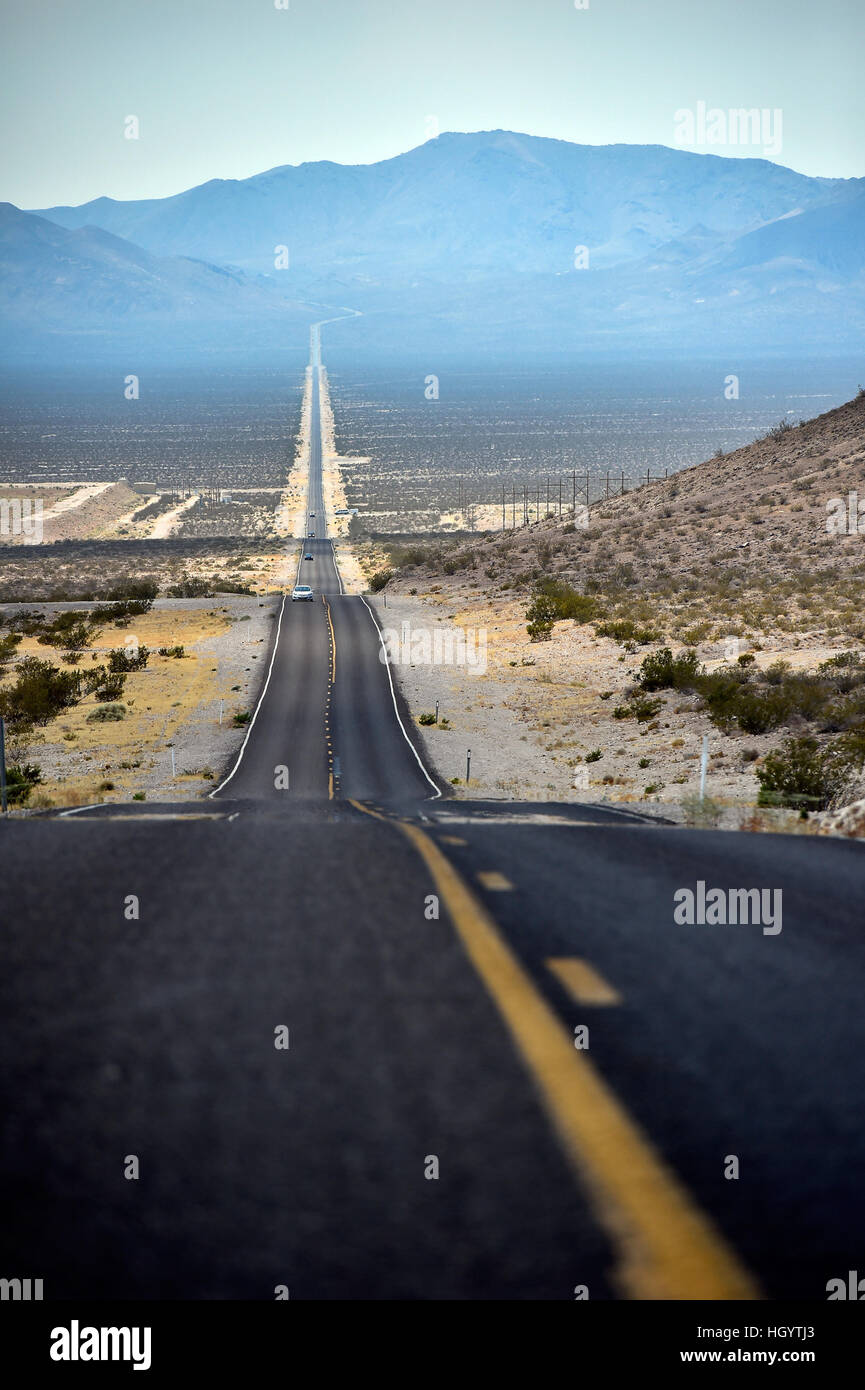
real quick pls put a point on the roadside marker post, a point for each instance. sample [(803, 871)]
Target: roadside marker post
[(3, 801), (704, 763), (173, 765), (437, 711), (468, 765)]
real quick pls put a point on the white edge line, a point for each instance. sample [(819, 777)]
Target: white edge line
[(218, 789), (436, 789), (76, 810)]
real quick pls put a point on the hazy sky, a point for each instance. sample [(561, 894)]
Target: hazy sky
[(227, 88)]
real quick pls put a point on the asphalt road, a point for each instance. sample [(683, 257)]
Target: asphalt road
[(431, 1130)]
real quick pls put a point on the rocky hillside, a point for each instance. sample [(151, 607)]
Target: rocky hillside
[(761, 537)]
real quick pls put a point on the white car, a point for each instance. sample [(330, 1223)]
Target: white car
[(301, 592)]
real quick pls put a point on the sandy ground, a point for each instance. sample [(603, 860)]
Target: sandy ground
[(173, 703), (169, 522), (85, 493), (538, 709), (290, 516), (333, 491)]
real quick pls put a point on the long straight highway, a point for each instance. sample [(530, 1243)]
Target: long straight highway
[(366, 1042)]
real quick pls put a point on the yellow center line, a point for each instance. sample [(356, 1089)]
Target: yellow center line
[(667, 1248), (494, 882), (332, 642), (582, 981)]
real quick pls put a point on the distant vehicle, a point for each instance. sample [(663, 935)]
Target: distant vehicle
[(308, 557), (311, 536), (301, 593), (312, 513), (342, 511)]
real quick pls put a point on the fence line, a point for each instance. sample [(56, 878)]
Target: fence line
[(559, 497)]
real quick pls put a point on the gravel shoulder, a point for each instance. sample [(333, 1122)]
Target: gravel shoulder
[(533, 713)]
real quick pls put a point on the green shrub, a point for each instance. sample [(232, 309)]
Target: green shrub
[(568, 602), (594, 756), (796, 775), (626, 630), (541, 614), (190, 588), (7, 647), (379, 580), (241, 718), (662, 671), (174, 651), (71, 630), (21, 778), (111, 687), (136, 590), (106, 714), (120, 660), (39, 693), (426, 719)]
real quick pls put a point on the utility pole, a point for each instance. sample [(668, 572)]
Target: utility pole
[(513, 506), (560, 499), (575, 491), (607, 485), (503, 506), (623, 484)]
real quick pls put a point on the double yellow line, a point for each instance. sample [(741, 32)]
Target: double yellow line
[(666, 1247)]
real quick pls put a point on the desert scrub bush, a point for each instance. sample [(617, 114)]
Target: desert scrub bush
[(21, 778), (135, 591), (40, 692), (8, 645), (541, 614), (106, 714), (241, 718), (409, 556), (554, 602), (120, 612), (594, 756), (188, 587), (701, 811), (639, 708), (121, 659), (627, 631), (797, 775), (662, 671), (698, 633), (426, 718), (379, 580), (70, 630), (110, 687), (178, 651)]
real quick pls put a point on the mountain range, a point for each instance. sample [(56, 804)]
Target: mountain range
[(467, 239)]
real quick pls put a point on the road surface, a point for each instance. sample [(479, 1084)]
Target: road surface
[(352, 1040)]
